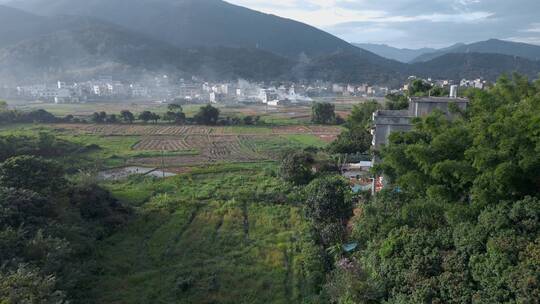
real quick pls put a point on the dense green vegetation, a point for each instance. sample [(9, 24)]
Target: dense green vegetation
[(206, 115), (217, 234), (460, 221), (49, 228), (210, 236), (323, 113)]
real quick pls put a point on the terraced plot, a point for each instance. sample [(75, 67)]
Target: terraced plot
[(167, 130), (162, 144), (211, 149), (186, 146)]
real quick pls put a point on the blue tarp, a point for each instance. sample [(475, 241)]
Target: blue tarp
[(350, 247)]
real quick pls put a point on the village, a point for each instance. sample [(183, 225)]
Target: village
[(196, 91)]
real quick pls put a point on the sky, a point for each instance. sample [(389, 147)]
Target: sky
[(413, 23)]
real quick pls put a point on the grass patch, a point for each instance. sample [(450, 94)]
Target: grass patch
[(307, 140), (209, 236)]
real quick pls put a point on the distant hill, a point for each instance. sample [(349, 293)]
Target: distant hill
[(46, 48), (492, 46), (350, 67), (200, 23), (97, 49), (17, 25), (386, 51), (474, 65)]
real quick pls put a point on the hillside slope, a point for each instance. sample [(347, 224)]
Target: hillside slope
[(196, 23), (474, 65), (94, 49), (400, 54), (18, 25), (350, 67), (492, 46)]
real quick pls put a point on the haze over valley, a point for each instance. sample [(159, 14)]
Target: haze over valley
[(269, 151), (212, 39)]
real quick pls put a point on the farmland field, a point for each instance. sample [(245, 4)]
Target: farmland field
[(177, 147), (207, 237), (224, 229), (180, 146), (287, 115), (127, 130)]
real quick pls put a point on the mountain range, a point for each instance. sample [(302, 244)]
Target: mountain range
[(75, 39), (492, 46), (196, 23), (400, 54)]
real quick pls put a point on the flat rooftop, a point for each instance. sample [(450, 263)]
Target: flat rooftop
[(439, 99), (392, 113)]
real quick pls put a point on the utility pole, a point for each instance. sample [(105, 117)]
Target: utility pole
[(163, 162)]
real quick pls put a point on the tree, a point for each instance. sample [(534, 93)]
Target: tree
[(146, 116), (111, 119), (97, 204), (362, 114), (419, 87), (174, 107), (351, 141), (154, 117), (397, 102), (357, 138), (169, 116), (176, 117), (68, 118), (329, 200), (296, 168), (99, 117), (22, 207), (40, 115), (47, 144), (3, 106), (323, 113), (127, 116), (440, 92), (207, 115), (248, 120), (27, 285), (458, 220), (32, 173)]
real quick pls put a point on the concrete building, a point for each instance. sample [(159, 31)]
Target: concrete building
[(423, 106), (453, 91), (387, 121), (217, 97)]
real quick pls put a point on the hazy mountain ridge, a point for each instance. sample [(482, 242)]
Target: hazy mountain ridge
[(94, 47), (475, 65), (492, 46), (51, 48), (400, 54), (200, 23)]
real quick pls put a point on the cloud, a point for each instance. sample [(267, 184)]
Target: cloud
[(413, 23)]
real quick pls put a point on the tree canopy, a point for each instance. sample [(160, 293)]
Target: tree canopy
[(296, 167), (323, 113), (207, 115), (47, 224), (458, 222), (32, 173)]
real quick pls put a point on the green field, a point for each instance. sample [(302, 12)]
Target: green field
[(105, 151), (226, 232), (220, 235)]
